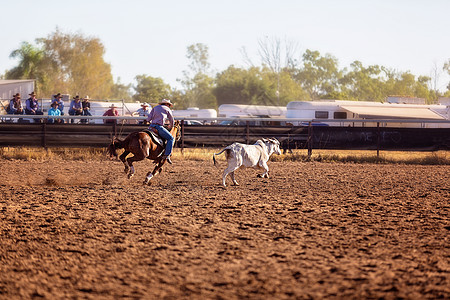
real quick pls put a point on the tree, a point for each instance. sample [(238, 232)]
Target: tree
[(197, 83), (74, 64), (363, 83), (121, 91), (276, 60), (319, 75), (447, 68), (29, 67), (151, 89), (256, 86), (240, 86)]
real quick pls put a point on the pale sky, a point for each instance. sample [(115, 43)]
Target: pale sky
[(151, 37)]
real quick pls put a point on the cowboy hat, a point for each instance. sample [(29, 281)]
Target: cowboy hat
[(144, 104), (54, 103), (17, 95), (76, 97), (58, 95), (32, 94), (166, 101), (113, 106)]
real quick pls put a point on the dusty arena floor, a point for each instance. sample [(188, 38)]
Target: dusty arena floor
[(311, 231)]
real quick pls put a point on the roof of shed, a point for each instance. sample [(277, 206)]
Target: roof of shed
[(393, 112)]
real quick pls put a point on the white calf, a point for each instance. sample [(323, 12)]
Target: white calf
[(250, 156)]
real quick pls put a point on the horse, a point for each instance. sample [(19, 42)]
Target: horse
[(142, 146)]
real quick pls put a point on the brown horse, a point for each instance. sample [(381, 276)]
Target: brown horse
[(141, 145)]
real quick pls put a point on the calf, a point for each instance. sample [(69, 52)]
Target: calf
[(250, 156)]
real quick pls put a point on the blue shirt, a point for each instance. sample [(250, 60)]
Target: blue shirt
[(76, 105), (54, 112), (60, 104)]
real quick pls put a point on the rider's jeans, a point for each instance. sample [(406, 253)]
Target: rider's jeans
[(165, 134)]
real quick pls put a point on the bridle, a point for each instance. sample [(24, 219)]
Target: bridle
[(178, 136)]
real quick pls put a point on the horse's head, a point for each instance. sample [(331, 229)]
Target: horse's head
[(112, 150), (176, 130)]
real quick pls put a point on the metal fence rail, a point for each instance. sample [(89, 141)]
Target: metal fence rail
[(291, 137)]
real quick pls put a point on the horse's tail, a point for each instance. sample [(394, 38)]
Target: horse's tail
[(112, 148), (214, 155)]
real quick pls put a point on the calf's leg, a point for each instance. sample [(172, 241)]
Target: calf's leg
[(227, 171)]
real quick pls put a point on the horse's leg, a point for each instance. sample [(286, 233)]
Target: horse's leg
[(156, 170), (130, 160), (123, 159)]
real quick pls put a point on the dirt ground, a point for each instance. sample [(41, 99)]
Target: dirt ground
[(311, 231)]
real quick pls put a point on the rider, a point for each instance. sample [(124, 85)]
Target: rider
[(161, 117)]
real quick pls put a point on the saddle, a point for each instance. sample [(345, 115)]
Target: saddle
[(153, 133)]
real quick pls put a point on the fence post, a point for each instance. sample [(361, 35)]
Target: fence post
[(247, 133), (378, 139), (182, 135), (310, 132), (44, 135)]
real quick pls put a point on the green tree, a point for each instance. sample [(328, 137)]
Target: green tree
[(319, 76), (240, 86), (121, 90), (281, 88), (151, 89), (29, 66), (74, 64), (405, 84), (196, 82), (256, 86), (363, 83)]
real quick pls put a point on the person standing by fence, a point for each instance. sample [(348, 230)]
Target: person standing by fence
[(86, 109), (111, 112), (144, 111)]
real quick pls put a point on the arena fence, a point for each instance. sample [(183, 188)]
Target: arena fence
[(307, 136)]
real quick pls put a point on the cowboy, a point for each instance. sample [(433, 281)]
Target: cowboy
[(58, 99), (76, 108), (86, 108), (54, 111), (32, 106), (161, 118), (111, 112), (144, 111), (15, 106)]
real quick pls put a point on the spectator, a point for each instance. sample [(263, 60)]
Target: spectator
[(54, 111), (111, 112), (86, 109), (144, 111), (58, 98), (76, 108), (32, 106), (15, 106)]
